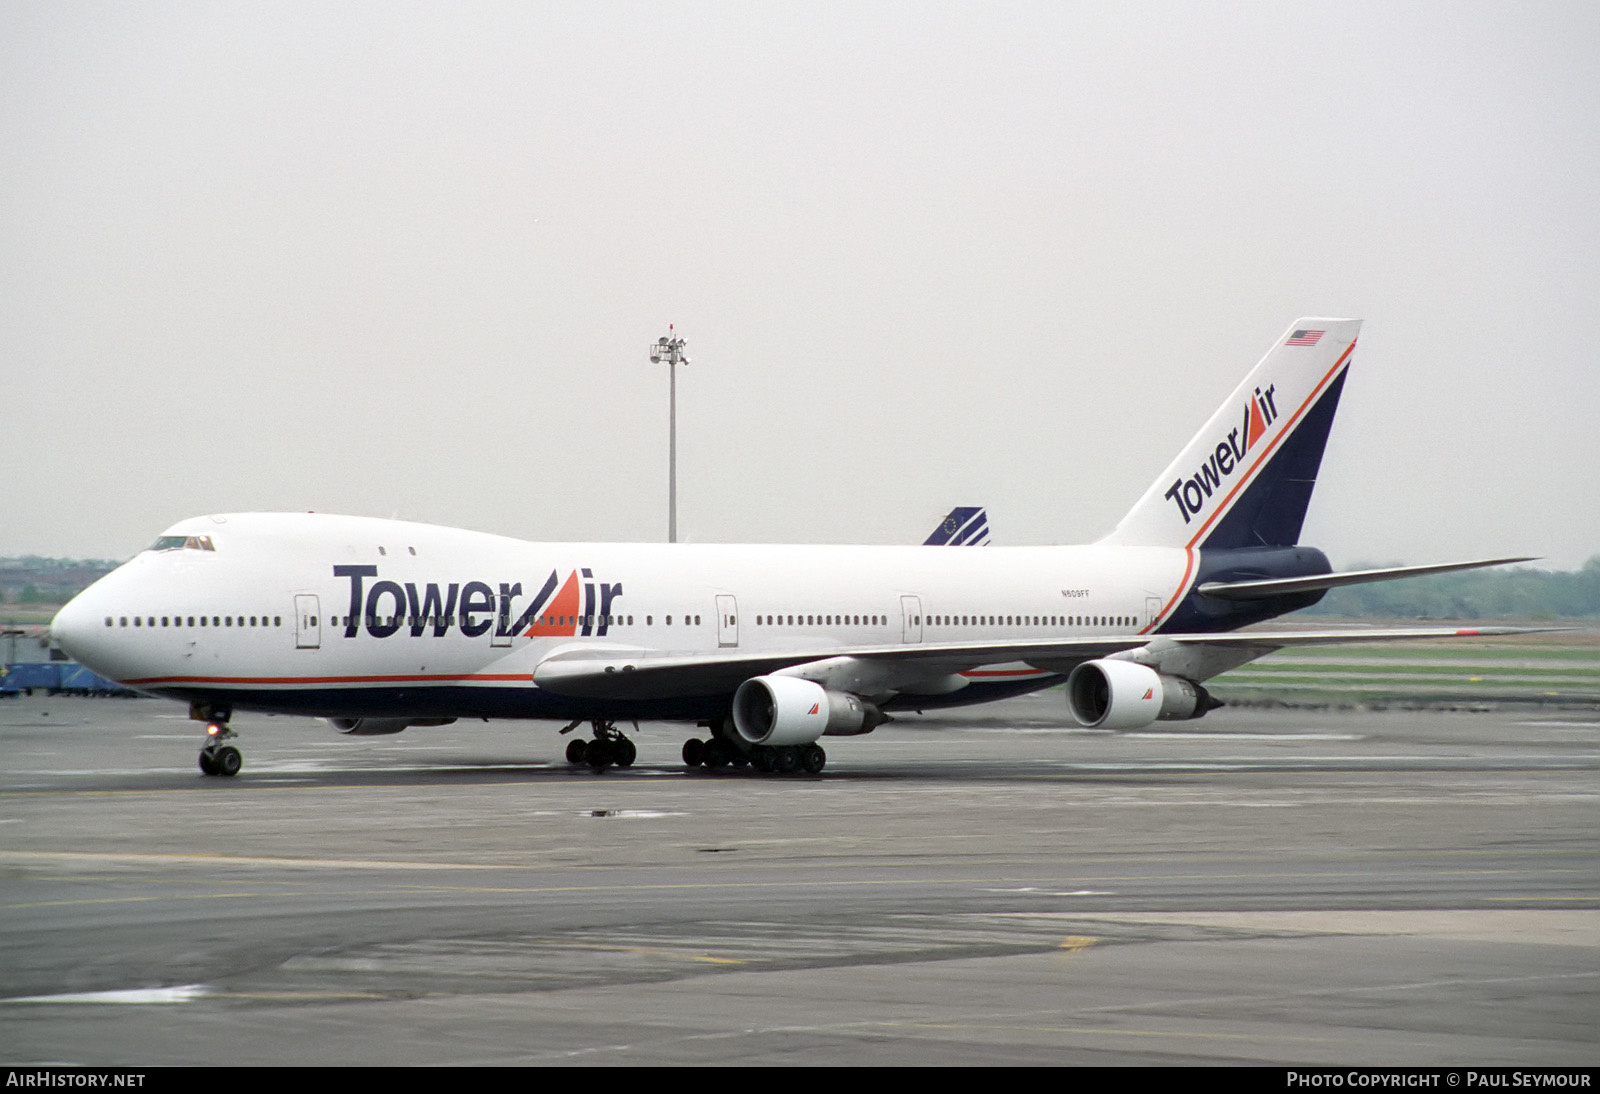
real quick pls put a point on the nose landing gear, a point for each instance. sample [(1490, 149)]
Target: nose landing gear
[(217, 757)]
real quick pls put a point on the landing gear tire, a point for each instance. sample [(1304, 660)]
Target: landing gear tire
[(812, 759), (225, 761), (606, 748), (788, 759), (228, 761), (694, 752), (717, 754)]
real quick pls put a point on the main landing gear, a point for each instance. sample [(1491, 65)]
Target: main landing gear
[(217, 757), (607, 748), (767, 759)]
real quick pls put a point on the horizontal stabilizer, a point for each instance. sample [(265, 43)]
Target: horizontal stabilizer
[(1283, 586), (1268, 640)]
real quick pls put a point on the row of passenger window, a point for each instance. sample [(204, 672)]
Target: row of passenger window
[(950, 620), (204, 620), (649, 620), (821, 620), (1032, 621)]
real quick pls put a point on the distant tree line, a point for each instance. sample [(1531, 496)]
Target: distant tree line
[(42, 562), (33, 579), (1505, 593)]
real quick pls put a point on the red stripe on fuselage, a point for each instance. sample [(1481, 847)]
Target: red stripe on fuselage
[(1183, 587), (416, 678)]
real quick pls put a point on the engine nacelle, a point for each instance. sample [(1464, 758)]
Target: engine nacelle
[(1110, 694), (786, 710), (377, 727)]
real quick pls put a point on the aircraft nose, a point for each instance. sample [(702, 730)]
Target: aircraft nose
[(72, 627), (92, 630)]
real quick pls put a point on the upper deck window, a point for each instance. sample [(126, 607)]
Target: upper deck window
[(182, 543)]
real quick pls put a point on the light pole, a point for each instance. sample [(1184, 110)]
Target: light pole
[(669, 348)]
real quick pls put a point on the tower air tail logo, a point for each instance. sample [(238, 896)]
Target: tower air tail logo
[(1191, 494)]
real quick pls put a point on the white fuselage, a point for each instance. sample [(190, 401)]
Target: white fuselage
[(336, 615)]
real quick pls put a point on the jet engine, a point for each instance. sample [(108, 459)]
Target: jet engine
[(786, 710), (377, 727), (1111, 694)]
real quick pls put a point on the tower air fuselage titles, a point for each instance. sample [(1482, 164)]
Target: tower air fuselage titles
[(384, 608), (1190, 495)]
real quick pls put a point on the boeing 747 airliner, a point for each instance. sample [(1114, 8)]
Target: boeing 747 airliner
[(379, 625)]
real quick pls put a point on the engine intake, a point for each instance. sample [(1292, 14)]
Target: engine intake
[(1111, 694), (785, 710)]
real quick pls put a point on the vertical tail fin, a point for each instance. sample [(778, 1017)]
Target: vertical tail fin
[(1245, 479), (965, 526)]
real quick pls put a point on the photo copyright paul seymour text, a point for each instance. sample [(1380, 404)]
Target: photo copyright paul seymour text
[(1475, 1080)]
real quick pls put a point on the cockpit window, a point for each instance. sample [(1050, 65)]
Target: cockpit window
[(182, 543)]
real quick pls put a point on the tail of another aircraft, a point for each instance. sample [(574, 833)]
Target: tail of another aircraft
[(965, 526), (1245, 479)]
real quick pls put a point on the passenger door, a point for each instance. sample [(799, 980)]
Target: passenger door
[(911, 618), (307, 622), (727, 621)]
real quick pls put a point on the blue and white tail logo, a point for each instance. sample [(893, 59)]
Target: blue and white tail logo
[(964, 526), (1245, 479)]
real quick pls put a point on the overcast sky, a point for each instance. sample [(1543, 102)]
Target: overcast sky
[(405, 260)]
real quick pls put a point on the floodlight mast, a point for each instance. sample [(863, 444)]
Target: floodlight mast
[(669, 348)]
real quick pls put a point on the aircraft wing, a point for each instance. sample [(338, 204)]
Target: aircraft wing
[(617, 673), (637, 673)]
